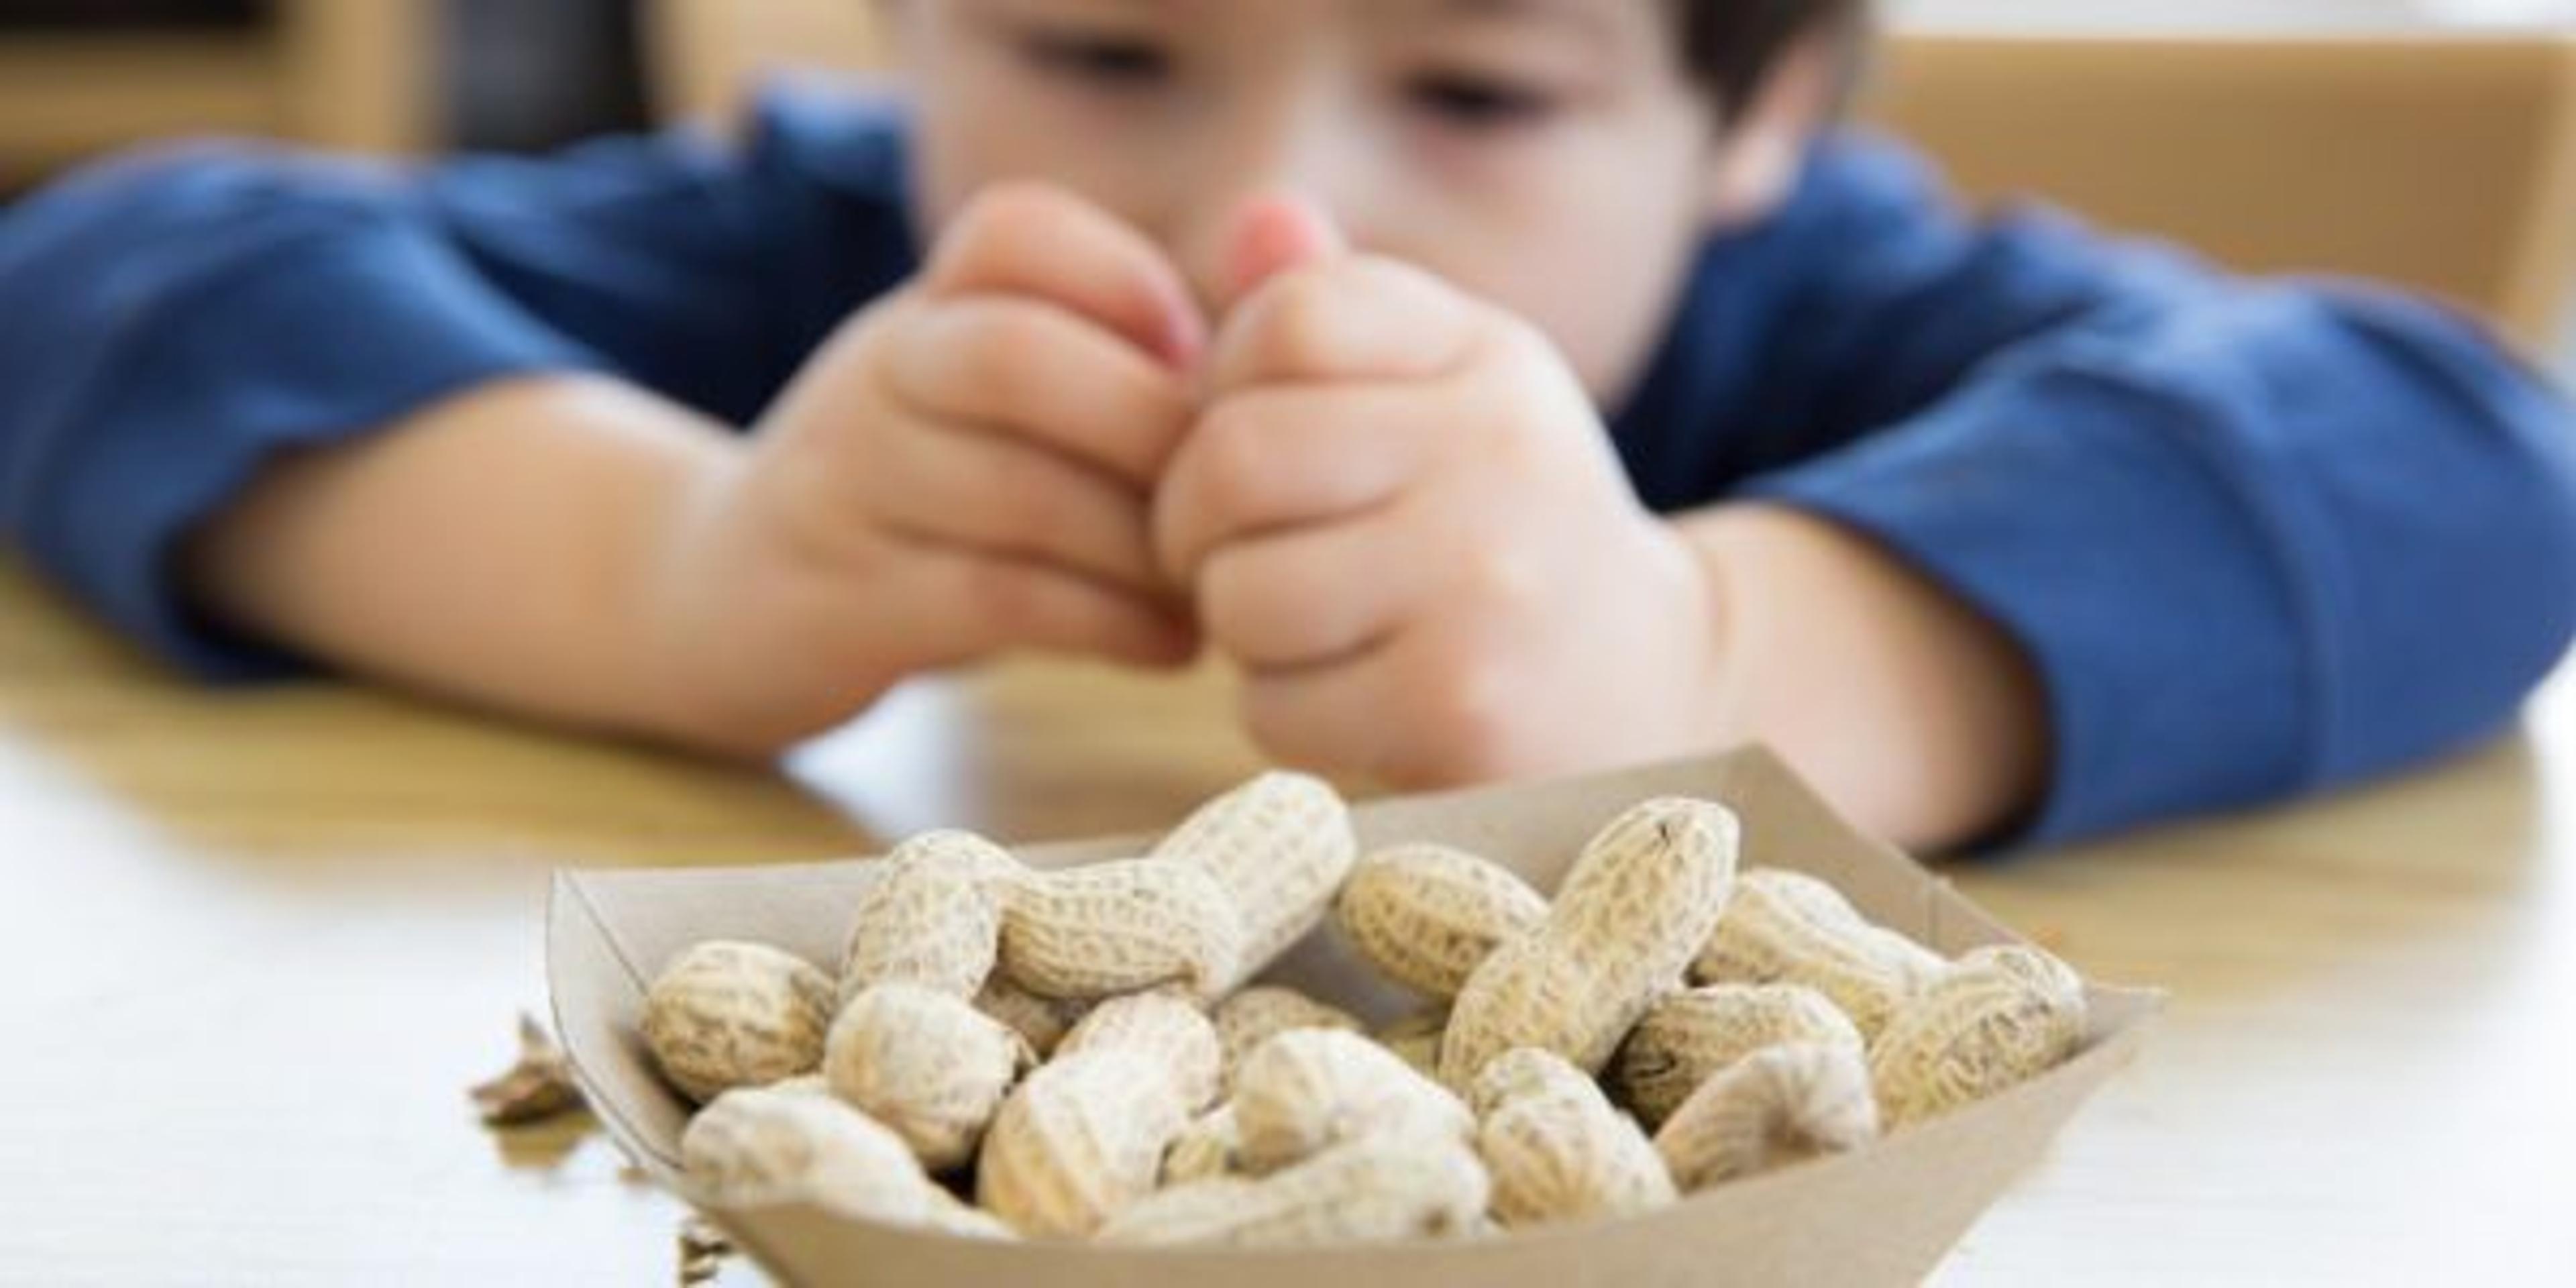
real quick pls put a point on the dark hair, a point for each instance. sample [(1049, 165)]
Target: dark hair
[(1731, 46)]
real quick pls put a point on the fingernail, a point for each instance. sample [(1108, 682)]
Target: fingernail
[(1277, 232)]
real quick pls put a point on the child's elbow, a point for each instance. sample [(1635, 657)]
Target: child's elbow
[(2524, 517), (2546, 448), (2476, 596)]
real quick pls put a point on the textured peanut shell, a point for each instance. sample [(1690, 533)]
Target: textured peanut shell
[(1639, 902), (1687, 1036), (1425, 915), (1080, 1139), (1204, 1149), (1161, 1023), (933, 916), (1308, 1089), (1255, 1015), (1375, 1188), (726, 1014), (1521, 1074), (1041, 1022), (1280, 845), (1555, 1146), (1119, 927), (1536, 992), (1790, 927), (1777, 1105), (2032, 965), (762, 1145), (1415, 1038), (950, 1214), (1997, 1016), (1658, 874), (926, 1064)]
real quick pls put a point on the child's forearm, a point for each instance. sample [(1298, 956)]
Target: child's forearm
[(497, 547), (1907, 707)]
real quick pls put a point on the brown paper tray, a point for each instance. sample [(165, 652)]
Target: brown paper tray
[(1883, 1215)]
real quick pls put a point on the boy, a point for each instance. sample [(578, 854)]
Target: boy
[(1288, 330)]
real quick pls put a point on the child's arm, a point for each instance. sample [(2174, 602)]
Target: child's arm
[(1900, 702), (579, 549), (502, 545), (433, 429), (2256, 538)]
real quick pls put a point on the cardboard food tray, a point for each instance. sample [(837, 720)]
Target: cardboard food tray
[(1882, 1215)]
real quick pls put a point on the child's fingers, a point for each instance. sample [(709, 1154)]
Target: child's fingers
[(1313, 595), (1276, 233), (1352, 318), (1036, 369), (1384, 712), (968, 604), (1032, 239), (1283, 456), (996, 494)]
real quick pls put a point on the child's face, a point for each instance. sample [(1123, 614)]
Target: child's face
[(1548, 155)]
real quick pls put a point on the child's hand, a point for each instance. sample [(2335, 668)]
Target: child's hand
[(1402, 516), (963, 470)]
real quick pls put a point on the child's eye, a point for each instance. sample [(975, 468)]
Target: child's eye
[(1115, 62), (1478, 103)]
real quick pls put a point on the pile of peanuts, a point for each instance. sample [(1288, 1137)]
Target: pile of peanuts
[(1075, 1050)]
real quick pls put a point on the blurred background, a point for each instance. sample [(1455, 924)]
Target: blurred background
[(2432, 142)]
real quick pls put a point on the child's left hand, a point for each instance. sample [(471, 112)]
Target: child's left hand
[(1403, 518)]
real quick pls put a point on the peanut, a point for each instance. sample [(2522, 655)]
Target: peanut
[(754, 1146), (1082, 1138), (1687, 1036), (1041, 1022), (1204, 1149), (1788, 926), (1415, 1038), (1307, 1089), (1164, 1025), (1639, 901), (1392, 1185), (1781, 1103), (963, 965), (950, 1214), (1556, 1149), (926, 1064), (1255, 1015), (1518, 1074), (1426, 914), (1119, 927), (1998, 1015), (1279, 845), (2033, 965), (934, 916), (726, 1014)]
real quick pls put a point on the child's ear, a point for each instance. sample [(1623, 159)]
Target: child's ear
[(1757, 156)]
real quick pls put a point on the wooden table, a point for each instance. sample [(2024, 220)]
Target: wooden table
[(257, 945)]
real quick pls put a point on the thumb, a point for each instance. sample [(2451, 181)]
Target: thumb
[(1273, 234)]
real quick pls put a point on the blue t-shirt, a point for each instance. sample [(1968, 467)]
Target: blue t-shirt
[(2256, 537)]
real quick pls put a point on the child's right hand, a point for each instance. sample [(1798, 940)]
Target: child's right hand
[(964, 469)]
